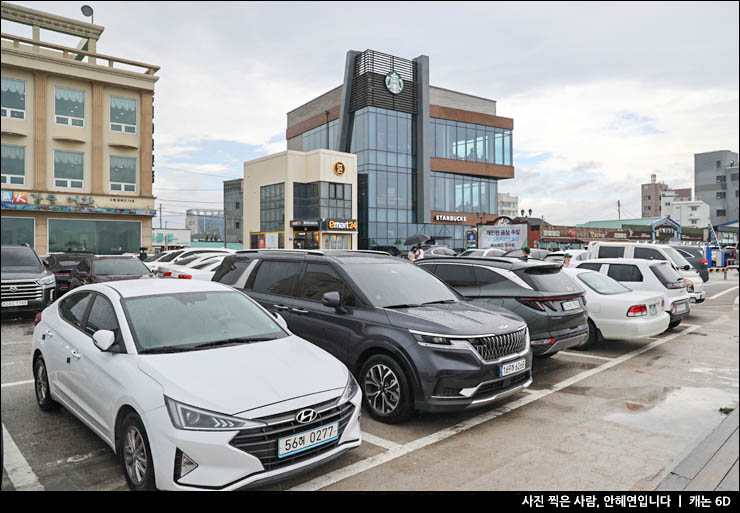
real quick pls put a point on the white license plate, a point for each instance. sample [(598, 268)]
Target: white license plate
[(308, 439), (653, 309), (511, 368), (681, 307), (571, 305), (14, 303)]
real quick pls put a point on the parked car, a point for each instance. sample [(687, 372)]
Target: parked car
[(61, 264), (181, 254), (482, 253), (391, 250), (27, 286), (576, 256), (651, 276), (696, 257), (436, 250), (201, 269), (550, 302), (165, 270), (412, 342), (535, 253), (694, 283), (212, 392), (99, 269), (618, 312)]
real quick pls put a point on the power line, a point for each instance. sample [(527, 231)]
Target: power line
[(197, 172), (190, 190)]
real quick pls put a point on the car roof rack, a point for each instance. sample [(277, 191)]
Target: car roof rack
[(281, 250)]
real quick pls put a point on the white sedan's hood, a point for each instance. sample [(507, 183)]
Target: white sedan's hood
[(234, 379)]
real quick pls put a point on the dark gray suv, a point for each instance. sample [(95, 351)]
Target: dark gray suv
[(411, 341), (550, 301), (27, 286)]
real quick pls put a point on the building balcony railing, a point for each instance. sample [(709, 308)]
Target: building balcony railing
[(75, 54)]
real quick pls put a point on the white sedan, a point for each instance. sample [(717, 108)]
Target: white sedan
[(199, 268), (194, 385), (617, 312)]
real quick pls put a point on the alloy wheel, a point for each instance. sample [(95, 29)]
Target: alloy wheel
[(134, 454), (42, 385), (382, 389)]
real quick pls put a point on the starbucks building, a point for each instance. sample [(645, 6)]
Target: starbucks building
[(428, 159)]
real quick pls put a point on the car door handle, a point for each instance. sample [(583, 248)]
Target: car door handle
[(280, 307), (46, 335), (299, 311), (76, 354)]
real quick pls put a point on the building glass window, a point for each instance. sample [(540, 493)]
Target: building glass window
[(469, 142), (721, 195), (68, 169), (122, 174), (721, 213), (123, 115), (13, 164), (322, 137), (272, 207), (721, 179), (13, 98), (69, 106), (99, 237), (17, 230)]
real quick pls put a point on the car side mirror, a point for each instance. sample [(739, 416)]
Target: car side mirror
[(45, 261), (686, 268), (104, 339), (280, 320), (332, 300)]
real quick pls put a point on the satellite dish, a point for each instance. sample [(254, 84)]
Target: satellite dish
[(87, 10)]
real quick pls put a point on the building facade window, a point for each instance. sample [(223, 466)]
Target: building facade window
[(69, 106), (100, 237), (322, 137), (322, 200), (733, 177), (718, 164), (721, 179), (721, 195), (721, 213), (122, 174), (464, 194), (123, 115), (470, 142), (13, 164), (16, 230), (69, 169), (272, 207), (13, 98)]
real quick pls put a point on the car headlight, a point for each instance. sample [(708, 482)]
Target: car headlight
[(47, 280), (690, 285), (350, 390), (188, 417)]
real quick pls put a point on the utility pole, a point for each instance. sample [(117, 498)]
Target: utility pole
[(224, 225), (160, 215), (619, 210)]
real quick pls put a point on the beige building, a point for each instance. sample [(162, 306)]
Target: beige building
[(76, 141), (301, 200), (508, 205)]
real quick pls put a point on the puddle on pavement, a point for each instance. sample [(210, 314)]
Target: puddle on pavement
[(683, 411)]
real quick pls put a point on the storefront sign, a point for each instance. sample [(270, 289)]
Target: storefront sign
[(550, 233), (64, 202), (341, 224), (394, 82), (300, 223), (450, 218), (506, 237), (171, 237), (339, 168)]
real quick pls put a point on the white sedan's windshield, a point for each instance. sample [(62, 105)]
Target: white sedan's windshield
[(676, 257), (602, 284)]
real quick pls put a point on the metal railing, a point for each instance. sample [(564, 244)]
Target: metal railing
[(68, 52)]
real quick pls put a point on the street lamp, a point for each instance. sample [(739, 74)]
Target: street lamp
[(88, 12)]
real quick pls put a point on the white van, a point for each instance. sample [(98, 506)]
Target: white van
[(694, 283)]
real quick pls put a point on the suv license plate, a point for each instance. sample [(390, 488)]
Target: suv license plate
[(308, 439), (511, 368), (571, 305), (14, 303)]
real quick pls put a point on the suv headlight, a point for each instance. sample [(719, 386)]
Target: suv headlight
[(689, 285), (350, 390), (191, 418), (47, 280)]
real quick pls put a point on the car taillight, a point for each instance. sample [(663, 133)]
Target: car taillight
[(37, 319), (167, 274), (637, 311), (704, 261), (531, 303), (184, 276), (542, 341), (662, 303)]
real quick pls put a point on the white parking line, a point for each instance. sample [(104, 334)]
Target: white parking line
[(583, 355), (401, 450), (18, 469), (723, 293), (380, 442), (16, 383)]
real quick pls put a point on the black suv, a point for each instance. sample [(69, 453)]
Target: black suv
[(550, 301), (412, 341), (26, 284)]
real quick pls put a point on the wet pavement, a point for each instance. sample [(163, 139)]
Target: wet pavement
[(621, 416)]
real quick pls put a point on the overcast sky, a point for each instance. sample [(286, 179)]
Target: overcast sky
[(602, 94)]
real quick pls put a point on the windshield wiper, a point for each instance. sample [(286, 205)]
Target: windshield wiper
[(166, 349), (230, 341), (401, 306), (440, 302)]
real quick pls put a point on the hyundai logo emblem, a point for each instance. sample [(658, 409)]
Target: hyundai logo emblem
[(306, 416)]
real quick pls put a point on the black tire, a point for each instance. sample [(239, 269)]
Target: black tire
[(673, 324), (41, 386), (133, 440), (379, 402), (593, 337)]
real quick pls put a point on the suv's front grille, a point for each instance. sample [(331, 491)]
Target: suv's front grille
[(498, 346), (263, 442), (18, 290)]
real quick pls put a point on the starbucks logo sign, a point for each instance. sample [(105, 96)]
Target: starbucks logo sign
[(394, 82)]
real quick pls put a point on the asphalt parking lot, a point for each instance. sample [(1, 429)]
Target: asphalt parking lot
[(618, 417)]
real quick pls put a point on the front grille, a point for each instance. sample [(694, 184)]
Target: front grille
[(498, 346), (502, 385), (263, 442), (29, 290)]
